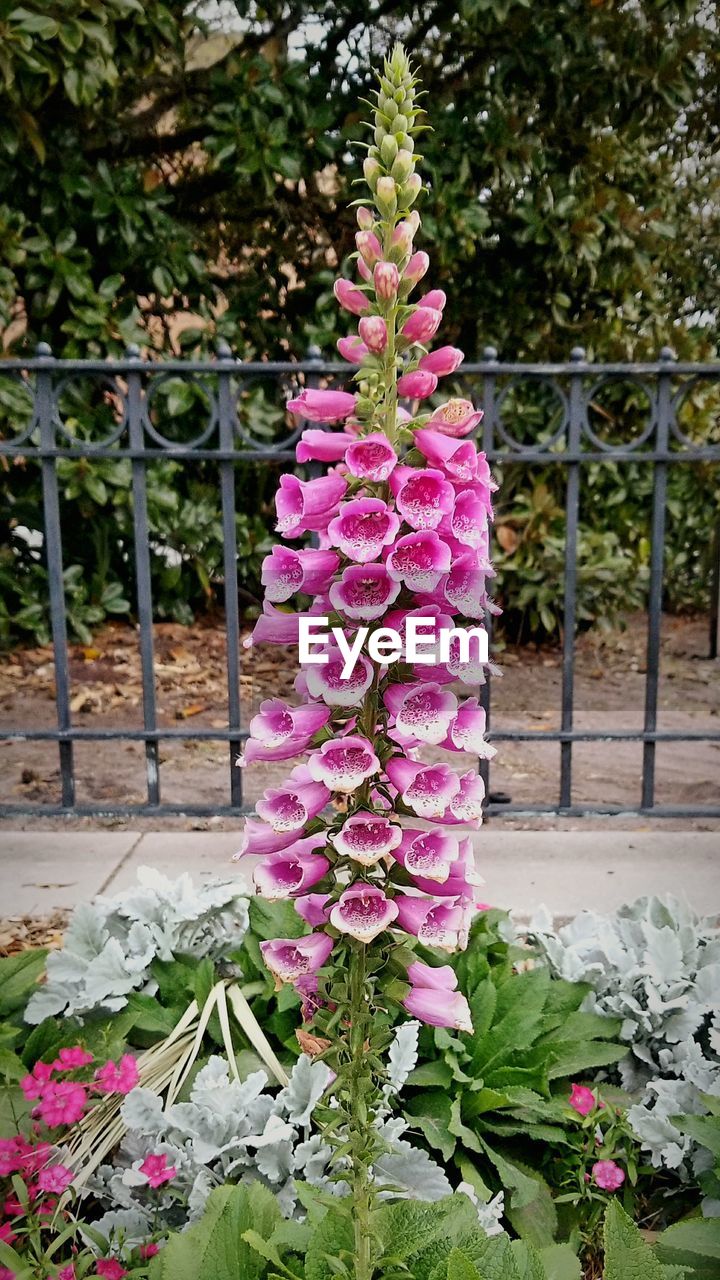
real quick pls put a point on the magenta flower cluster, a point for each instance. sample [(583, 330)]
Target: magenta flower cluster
[(400, 525)]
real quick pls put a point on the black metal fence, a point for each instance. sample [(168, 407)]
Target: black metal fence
[(570, 437)]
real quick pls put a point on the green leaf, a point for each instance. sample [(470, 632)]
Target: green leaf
[(578, 1058), (627, 1256), (461, 1268), (560, 1262), (333, 1237), (431, 1112), (696, 1239), (704, 1129), (536, 1221), (408, 1227), (214, 1248), (18, 975)]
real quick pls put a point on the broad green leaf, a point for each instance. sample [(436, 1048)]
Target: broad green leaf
[(431, 1112), (333, 1237), (627, 1256), (704, 1129), (461, 1268), (560, 1262), (697, 1239), (19, 974), (214, 1249), (574, 1059)]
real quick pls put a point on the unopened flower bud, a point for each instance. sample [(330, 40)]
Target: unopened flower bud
[(386, 196), (368, 247), (402, 236), (372, 171), (390, 109), (364, 271), (402, 166), (386, 278), (364, 408), (365, 219), (416, 268), (414, 220), (410, 190), (388, 149), (373, 331), (400, 124)]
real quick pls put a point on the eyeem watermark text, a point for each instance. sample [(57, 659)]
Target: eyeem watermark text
[(423, 642)]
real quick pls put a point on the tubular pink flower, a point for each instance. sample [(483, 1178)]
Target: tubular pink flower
[(443, 361), (277, 722), (426, 789), (291, 958), (326, 680), (422, 325), (417, 385), (351, 298), (373, 331), (582, 1099), (258, 837), (364, 592), (362, 528), (465, 586), (344, 764), (467, 731), (386, 279), (436, 299), (281, 875), (352, 349), (285, 572), (433, 977), (424, 497), (322, 406), (367, 837), (470, 672), (439, 1008), (470, 516), (433, 921), (608, 1175), (416, 268), (369, 247), (371, 458), (288, 808), (467, 803), (322, 446), (458, 458), (363, 912), (403, 236), (274, 626), (429, 854), (304, 505), (312, 908), (455, 418), (419, 560), (421, 711)]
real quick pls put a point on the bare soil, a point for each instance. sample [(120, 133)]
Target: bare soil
[(191, 691)]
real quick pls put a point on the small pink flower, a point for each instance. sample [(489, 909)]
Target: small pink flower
[(364, 592), (285, 572), (293, 870), (322, 446), (424, 497), (608, 1175), (322, 406), (109, 1269), (455, 418), (8, 1236), (288, 808), (72, 1058), (433, 921), (62, 1103), (443, 360), (439, 1008), (327, 680), (351, 298), (430, 854), (466, 804), (373, 332), (417, 385), (371, 458), (422, 325), (291, 958), (426, 789), (365, 218), (367, 837), (157, 1170), (419, 560), (307, 505), (66, 1273), (363, 912), (386, 279), (362, 528), (56, 1178), (458, 458), (582, 1099), (312, 908), (465, 587), (260, 838), (344, 763), (33, 1085), (118, 1077), (471, 515), (149, 1250), (422, 711), (352, 349), (280, 731), (467, 730)]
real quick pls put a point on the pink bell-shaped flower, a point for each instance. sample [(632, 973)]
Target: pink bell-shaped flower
[(367, 837), (364, 592), (362, 528), (344, 764), (322, 406), (291, 958), (363, 911), (371, 457)]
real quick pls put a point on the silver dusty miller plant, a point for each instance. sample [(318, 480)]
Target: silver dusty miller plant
[(111, 943), (656, 966)]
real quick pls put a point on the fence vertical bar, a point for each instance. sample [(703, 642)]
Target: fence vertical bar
[(226, 427), (44, 409), (489, 356), (143, 577), (715, 596), (572, 509), (657, 562)]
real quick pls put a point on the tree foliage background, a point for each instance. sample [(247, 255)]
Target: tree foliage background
[(171, 173)]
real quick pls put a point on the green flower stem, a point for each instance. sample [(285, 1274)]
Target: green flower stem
[(360, 1088)]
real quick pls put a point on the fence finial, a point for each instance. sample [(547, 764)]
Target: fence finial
[(313, 352), (132, 351), (578, 355), (667, 353), (490, 355), (43, 351), (223, 349)]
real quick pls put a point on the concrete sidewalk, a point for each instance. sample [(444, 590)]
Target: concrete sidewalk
[(566, 870)]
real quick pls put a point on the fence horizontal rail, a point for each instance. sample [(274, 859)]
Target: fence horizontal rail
[(569, 435)]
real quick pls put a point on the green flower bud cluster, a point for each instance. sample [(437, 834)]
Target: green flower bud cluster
[(390, 165)]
